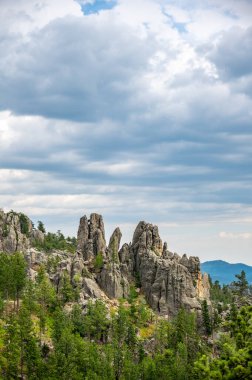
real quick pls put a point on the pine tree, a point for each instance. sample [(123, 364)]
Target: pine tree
[(206, 318), (18, 270), (67, 290), (41, 227), (241, 286), (10, 355)]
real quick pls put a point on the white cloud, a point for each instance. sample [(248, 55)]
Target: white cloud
[(128, 113), (231, 235), (26, 16)]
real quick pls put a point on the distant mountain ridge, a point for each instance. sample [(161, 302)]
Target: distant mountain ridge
[(225, 272)]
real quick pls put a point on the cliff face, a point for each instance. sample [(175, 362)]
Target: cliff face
[(91, 236), (167, 280), (15, 230)]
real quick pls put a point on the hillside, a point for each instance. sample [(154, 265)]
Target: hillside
[(81, 309), (225, 272)]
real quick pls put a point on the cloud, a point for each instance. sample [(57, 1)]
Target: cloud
[(232, 55), (230, 235), (142, 111), (58, 74)]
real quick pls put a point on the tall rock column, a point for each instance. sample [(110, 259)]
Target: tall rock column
[(113, 278), (91, 236)]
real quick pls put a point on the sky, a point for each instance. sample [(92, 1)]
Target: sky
[(134, 109)]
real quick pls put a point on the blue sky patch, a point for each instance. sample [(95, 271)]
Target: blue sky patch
[(97, 6)]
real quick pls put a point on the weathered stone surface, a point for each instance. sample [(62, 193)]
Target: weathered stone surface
[(168, 282), (203, 286), (15, 230), (114, 244), (90, 289), (124, 254), (113, 278), (146, 236), (37, 236), (91, 236)]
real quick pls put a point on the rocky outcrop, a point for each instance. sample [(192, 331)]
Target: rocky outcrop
[(113, 278), (167, 280), (91, 236), (203, 286), (15, 232), (146, 236)]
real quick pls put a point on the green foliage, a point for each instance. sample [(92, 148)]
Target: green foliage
[(52, 264), (138, 280), (56, 242), (206, 318), (5, 232), (44, 339), (234, 361), (24, 224), (41, 227), (98, 261), (95, 322), (12, 275), (68, 293), (241, 286), (132, 294), (220, 294)]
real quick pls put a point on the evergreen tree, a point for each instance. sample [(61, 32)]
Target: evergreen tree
[(67, 291), (18, 272), (41, 227), (12, 275), (241, 286), (206, 318), (10, 356), (30, 358), (96, 322)]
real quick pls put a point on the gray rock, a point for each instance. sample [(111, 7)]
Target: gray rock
[(37, 236), (91, 236), (112, 280), (113, 277), (15, 230), (90, 289), (146, 236), (168, 282), (114, 245)]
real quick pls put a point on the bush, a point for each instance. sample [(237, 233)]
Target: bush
[(24, 224), (56, 241), (98, 261)]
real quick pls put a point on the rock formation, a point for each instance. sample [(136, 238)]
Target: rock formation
[(91, 236), (167, 280), (15, 232)]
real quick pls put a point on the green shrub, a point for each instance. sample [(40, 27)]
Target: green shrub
[(24, 224), (98, 261)]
